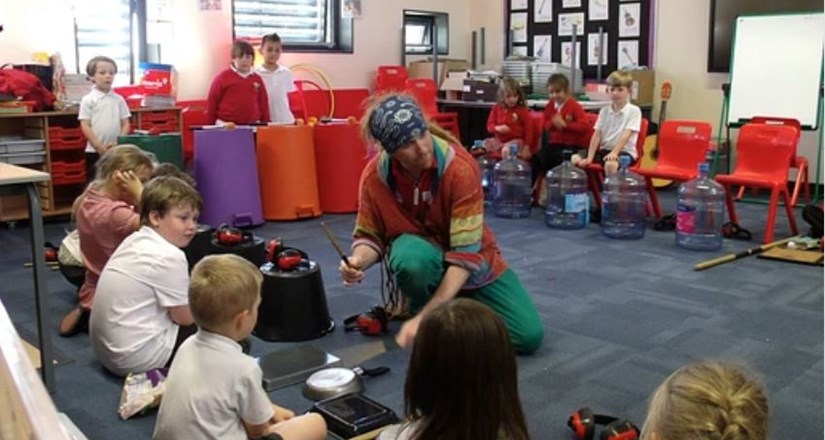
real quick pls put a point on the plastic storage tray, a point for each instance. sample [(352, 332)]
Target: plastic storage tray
[(15, 145), (23, 158)]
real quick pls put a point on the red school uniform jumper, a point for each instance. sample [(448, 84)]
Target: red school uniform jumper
[(237, 98), (578, 130)]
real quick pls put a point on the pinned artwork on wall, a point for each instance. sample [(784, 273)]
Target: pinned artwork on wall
[(597, 10), (210, 5), (629, 20), (351, 9), (566, 22), (571, 3), (542, 11), (567, 53), (628, 53), (517, 5), (594, 49), (543, 47), (518, 24)]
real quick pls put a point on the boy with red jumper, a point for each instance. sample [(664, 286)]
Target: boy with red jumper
[(238, 94)]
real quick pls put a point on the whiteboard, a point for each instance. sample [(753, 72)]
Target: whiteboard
[(776, 67)]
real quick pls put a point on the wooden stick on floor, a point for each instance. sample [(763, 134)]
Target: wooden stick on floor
[(746, 253)]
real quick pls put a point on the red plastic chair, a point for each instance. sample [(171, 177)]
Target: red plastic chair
[(595, 171), (391, 78), (193, 114), (798, 162), (764, 158), (424, 91), (683, 145)]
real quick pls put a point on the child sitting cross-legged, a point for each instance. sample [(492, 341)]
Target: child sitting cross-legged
[(214, 391), (141, 314)]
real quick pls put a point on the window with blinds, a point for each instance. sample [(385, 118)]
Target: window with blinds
[(297, 22), (104, 28)]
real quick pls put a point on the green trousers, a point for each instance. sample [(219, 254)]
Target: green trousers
[(418, 266)]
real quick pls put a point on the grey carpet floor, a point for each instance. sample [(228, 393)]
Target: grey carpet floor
[(619, 317)]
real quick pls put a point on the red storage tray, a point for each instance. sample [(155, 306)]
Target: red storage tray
[(68, 173), (64, 138), (163, 127), (159, 116)]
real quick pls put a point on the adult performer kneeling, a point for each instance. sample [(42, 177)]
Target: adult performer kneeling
[(422, 206)]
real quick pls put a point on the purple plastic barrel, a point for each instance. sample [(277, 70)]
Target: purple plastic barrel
[(227, 174)]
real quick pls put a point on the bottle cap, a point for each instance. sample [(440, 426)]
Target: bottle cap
[(624, 161), (566, 155), (704, 168), (513, 150)]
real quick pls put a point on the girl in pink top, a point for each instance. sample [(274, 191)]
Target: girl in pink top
[(106, 213)]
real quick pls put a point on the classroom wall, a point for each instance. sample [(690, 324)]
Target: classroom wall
[(489, 14), (680, 56)]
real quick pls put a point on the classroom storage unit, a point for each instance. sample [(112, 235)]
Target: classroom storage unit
[(52, 142)]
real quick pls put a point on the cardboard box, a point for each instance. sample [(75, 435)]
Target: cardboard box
[(424, 68), (453, 84), (480, 91), (643, 83)]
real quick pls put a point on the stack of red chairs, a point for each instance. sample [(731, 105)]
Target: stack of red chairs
[(193, 114), (390, 78), (425, 92)]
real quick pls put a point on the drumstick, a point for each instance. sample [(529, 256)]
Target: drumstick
[(746, 253), (335, 245)]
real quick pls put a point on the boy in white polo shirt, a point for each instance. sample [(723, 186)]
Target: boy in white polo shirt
[(103, 113), (141, 312), (617, 128), (214, 391), (277, 78)]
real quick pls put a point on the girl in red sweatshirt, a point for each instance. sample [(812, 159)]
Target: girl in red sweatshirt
[(566, 124), (509, 121)]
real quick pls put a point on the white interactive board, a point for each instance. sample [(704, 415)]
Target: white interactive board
[(776, 67)]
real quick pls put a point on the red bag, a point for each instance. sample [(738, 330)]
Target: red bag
[(27, 87)]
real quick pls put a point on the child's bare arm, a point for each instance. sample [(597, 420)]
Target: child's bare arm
[(181, 315), (124, 126), (259, 430), (620, 144), (86, 128)]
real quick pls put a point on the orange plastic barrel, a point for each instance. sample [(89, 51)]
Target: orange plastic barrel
[(340, 156), (286, 169)]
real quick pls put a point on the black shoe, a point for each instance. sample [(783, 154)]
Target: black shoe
[(595, 215), (666, 223), (812, 215), (246, 345)]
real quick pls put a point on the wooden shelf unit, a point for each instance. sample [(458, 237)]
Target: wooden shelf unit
[(56, 199)]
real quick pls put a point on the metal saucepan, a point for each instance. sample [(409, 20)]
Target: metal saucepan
[(331, 382)]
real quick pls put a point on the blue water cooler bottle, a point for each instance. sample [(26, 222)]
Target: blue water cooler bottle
[(567, 199), (512, 191), (623, 203), (700, 213), (485, 165)]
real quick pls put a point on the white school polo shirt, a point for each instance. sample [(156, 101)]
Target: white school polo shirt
[(130, 326), (611, 124), (212, 386), (278, 83), (104, 110)]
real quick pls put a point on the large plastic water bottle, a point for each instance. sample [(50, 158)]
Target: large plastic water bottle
[(512, 191), (567, 199), (485, 164), (623, 203), (700, 213)]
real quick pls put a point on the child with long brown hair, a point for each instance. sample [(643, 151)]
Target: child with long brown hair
[(708, 400), (461, 382), (106, 213), (509, 121)]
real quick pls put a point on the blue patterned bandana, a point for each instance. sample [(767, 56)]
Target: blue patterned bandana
[(396, 122)]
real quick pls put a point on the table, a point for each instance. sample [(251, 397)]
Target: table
[(27, 179)]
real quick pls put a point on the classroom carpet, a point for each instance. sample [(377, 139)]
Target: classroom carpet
[(619, 317)]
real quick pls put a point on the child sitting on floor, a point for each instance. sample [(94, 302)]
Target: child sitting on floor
[(141, 313), (214, 390)]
